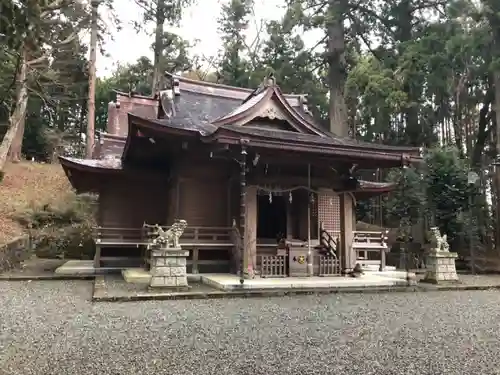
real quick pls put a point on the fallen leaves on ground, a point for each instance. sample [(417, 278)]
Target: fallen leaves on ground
[(28, 185)]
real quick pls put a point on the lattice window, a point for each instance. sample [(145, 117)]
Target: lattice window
[(329, 210)]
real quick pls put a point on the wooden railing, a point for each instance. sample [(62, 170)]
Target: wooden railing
[(139, 236), (273, 265), (328, 242), (366, 243), (204, 234), (194, 239), (328, 265), (118, 235)]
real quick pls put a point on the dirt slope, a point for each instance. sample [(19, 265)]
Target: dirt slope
[(28, 185)]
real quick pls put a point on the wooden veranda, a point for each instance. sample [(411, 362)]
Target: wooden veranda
[(273, 260)]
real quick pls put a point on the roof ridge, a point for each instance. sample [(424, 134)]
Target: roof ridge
[(222, 86), (134, 95)]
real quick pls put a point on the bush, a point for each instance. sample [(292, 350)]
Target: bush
[(69, 242), (63, 231)]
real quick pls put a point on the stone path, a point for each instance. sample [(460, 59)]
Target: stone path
[(50, 327)]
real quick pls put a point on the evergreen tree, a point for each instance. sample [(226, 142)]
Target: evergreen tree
[(233, 67)]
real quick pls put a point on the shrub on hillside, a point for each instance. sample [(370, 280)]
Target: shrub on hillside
[(63, 230)]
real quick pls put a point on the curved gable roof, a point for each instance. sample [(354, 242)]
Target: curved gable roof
[(269, 101)]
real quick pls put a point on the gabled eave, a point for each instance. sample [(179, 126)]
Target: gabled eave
[(250, 109)]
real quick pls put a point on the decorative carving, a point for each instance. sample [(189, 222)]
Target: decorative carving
[(167, 103), (167, 238), (272, 113), (438, 242)]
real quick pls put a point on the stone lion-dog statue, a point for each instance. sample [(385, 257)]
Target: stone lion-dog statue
[(438, 242), (168, 238)]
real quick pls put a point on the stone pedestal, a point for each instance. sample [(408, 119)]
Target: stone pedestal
[(441, 267), (168, 269)]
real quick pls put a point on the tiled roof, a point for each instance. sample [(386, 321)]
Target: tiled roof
[(109, 163), (309, 138)]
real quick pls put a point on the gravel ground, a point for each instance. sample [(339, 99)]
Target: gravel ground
[(51, 328)]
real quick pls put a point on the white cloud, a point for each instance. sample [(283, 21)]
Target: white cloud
[(199, 23)]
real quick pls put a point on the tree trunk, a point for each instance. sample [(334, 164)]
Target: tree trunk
[(16, 119), (483, 131), (337, 70), (496, 82), (158, 46), (413, 132), (91, 98), (15, 152)]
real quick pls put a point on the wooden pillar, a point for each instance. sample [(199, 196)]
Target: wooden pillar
[(289, 222), (346, 232), (243, 213), (194, 260), (250, 230)]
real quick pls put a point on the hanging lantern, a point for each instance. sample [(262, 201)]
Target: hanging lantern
[(270, 197), (290, 197)]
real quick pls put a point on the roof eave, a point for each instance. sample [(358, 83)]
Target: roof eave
[(140, 122), (105, 135), (69, 165), (136, 123), (398, 159), (131, 95), (83, 185)]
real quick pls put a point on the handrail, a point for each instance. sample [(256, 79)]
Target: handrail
[(374, 232), (196, 233), (328, 242)]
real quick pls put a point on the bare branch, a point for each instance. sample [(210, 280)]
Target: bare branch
[(253, 48), (370, 12), (364, 40), (322, 40), (54, 5), (43, 99), (38, 60)]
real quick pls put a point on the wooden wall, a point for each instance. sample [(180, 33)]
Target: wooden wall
[(202, 196), (126, 202), (198, 193)]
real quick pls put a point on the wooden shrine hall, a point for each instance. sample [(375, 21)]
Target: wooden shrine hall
[(263, 188)]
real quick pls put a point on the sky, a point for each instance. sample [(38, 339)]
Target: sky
[(199, 23)]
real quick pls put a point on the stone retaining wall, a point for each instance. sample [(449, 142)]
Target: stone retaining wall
[(14, 253)]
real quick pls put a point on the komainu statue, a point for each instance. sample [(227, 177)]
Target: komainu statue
[(438, 242), (167, 238)]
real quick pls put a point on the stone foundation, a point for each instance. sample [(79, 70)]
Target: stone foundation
[(441, 267), (168, 269)]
